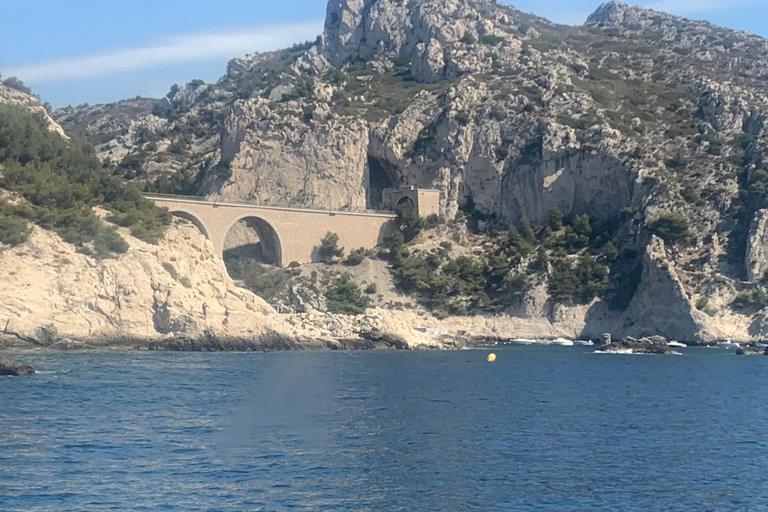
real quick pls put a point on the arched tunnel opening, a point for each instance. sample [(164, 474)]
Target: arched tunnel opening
[(251, 247), (380, 177)]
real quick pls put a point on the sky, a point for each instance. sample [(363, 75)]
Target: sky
[(83, 51)]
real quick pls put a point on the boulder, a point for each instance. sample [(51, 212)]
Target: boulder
[(11, 368), (751, 351)]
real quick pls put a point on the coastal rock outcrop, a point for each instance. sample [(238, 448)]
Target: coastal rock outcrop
[(173, 296), (11, 368), (648, 345), (51, 293)]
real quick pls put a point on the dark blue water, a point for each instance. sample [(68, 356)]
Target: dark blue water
[(540, 429)]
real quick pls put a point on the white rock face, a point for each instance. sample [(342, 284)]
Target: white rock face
[(444, 35), (315, 163), (45, 282), (51, 295), (757, 247), (660, 304)]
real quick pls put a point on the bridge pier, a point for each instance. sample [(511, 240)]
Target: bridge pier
[(294, 233)]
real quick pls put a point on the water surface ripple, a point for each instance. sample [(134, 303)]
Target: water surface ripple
[(542, 428)]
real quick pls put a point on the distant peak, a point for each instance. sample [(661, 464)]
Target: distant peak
[(621, 14)]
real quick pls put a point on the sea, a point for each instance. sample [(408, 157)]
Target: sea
[(539, 429)]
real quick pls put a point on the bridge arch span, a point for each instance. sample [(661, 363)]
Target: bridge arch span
[(290, 233), (188, 215), (270, 241)]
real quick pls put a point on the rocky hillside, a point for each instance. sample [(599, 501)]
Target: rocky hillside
[(86, 261), (650, 124)]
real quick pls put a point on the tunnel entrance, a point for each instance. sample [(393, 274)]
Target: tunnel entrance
[(252, 239), (379, 179)]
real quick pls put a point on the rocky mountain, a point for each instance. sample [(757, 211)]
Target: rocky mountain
[(86, 262), (650, 124)]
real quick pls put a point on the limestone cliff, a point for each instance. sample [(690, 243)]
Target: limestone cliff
[(637, 119), (175, 295)]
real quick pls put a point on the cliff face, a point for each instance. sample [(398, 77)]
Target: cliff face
[(175, 295), (52, 294), (634, 116)]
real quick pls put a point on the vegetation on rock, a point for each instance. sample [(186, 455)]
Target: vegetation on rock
[(329, 249), (344, 297), (61, 182)]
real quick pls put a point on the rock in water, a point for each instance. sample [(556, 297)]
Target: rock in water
[(648, 345), (751, 351), (10, 368)]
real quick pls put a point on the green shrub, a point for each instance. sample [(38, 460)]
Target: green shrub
[(355, 257), (294, 264), (185, 282), (577, 284), (107, 242), (751, 301), (555, 219), (678, 161), (577, 124), (14, 230), (462, 117), (491, 40), (432, 220), (408, 220), (671, 227), (468, 38), (345, 297), (15, 83), (171, 270), (610, 252), (371, 289), (329, 248)]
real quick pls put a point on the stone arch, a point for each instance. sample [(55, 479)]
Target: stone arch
[(187, 215), (270, 248)]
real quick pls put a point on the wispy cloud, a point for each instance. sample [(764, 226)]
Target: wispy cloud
[(175, 49), (693, 6)]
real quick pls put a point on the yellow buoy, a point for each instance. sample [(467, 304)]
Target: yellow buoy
[(491, 357)]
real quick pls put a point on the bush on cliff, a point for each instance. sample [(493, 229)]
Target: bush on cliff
[(356, 257), (62, 181), (345, 297), (264, 282), (577, 284), (14, 229), (329, 248), (671, 227), (751, 301)]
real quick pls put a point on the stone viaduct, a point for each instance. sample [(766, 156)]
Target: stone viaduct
[(286, 234)]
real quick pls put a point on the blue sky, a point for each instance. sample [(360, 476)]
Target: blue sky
[(83, 51)]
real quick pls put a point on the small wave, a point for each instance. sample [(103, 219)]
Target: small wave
[(627, 351)]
